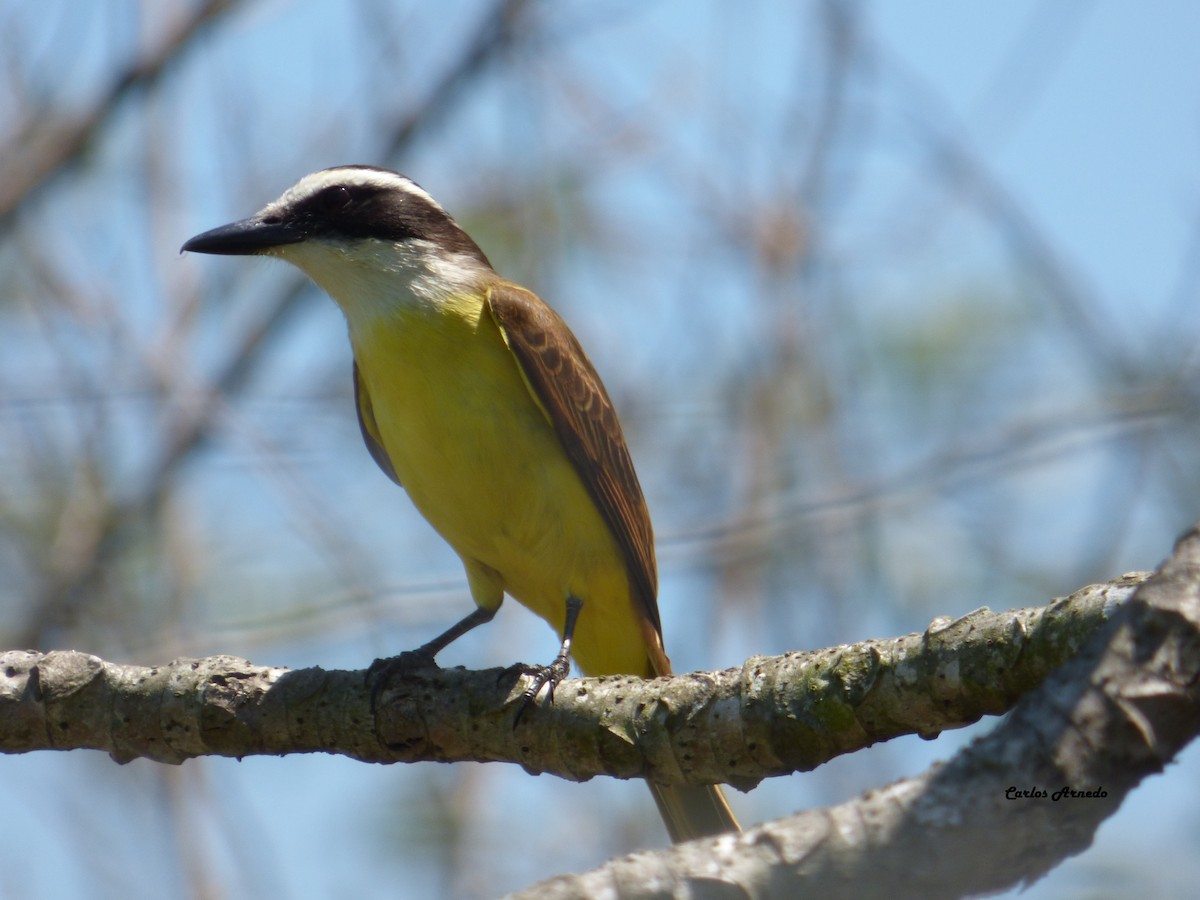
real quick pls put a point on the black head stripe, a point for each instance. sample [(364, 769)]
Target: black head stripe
[(357, 209)]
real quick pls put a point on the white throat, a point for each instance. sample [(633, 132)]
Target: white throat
[(372, 279)]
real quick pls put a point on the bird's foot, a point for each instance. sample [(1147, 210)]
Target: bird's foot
[(543, 677), (383, 671)]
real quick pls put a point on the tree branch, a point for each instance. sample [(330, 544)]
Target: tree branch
[(993, 817), (772, 716)]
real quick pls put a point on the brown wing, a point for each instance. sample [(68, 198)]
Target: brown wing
[(566, 385), (368, 427)]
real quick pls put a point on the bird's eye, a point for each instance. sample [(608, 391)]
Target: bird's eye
[(335, 199)]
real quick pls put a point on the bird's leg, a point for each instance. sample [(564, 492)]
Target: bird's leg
[(479, 616), (383, 670), (559, 669)]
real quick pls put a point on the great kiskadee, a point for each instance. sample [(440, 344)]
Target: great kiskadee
[(475, 397)]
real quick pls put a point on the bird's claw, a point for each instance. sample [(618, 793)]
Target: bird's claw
[(543, 677), (383, 671)]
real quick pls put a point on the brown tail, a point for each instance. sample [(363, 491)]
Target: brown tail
[(688, 811), (693, 811)]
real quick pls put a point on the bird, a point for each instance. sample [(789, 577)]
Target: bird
[(474, 396)]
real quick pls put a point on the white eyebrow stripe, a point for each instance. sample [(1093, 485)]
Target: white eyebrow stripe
[(353, 177)]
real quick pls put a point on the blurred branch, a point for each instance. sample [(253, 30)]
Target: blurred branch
[(1001, 813), (1020, 443), (494, 35), (961, 169), (772, 716), (43, 151)]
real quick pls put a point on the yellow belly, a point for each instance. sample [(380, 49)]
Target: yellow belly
[(485, 468)]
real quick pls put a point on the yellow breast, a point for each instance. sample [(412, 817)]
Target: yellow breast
[(484, 466)]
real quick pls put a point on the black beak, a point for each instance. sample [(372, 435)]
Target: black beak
[(245, 238)]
